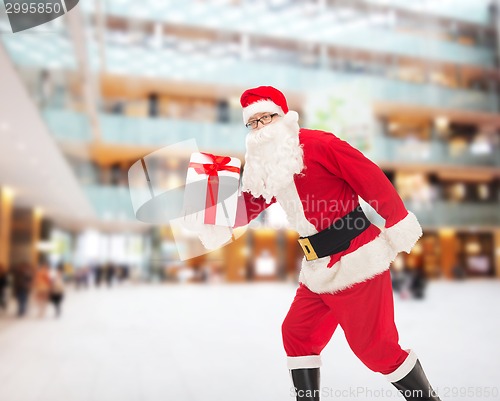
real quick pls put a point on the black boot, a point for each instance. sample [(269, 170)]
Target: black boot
[(415, 386), (306, 383)]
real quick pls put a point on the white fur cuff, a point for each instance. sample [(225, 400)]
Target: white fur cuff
[(404, 368), (213, 237), (404, 234), (304, 362), (364, 263)]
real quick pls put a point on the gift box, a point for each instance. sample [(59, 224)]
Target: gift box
[(211, 193)]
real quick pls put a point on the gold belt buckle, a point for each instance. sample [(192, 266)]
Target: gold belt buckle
[(307, 249)]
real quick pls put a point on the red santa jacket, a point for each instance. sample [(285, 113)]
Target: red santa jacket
[(334, 175)]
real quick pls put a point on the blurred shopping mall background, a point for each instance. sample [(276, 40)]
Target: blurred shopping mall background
[(415, 85)]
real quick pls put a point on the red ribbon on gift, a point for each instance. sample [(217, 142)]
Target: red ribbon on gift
[(219, 163)]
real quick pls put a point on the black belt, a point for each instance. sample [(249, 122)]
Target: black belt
[(335, 238)]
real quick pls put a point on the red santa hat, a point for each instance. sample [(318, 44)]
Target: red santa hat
[(263, 99)]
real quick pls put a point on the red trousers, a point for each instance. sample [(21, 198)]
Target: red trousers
[(366, 314)]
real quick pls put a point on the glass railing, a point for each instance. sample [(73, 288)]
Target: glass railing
[(454, 214), (227, 70), (68, 125), (178, 11), (52, 50), (164, 131), (431, 95), (355, 29), (386, 149), (218, 137), (413, 46), (56, 51), (113, 204), (475, 11)]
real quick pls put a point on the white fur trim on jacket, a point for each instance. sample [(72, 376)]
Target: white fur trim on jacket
[(404, 368), (404, 234), (365, 262), (304, 362), (262, 106), (360, 265)]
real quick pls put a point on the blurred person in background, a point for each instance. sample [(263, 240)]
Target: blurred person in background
[(68, 271), (126, 272), (57, 288), (98, 274), (418, 283), (46, 89), (3, 287), (397, 274), (459, 271), (22, 282), (82, 277), (109, 274), (345, 280), (122, 273), (41, 288)]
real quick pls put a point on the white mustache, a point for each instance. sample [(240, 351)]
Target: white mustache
[(273, 157)]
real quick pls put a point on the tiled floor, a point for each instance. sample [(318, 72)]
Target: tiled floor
[(223, 342)]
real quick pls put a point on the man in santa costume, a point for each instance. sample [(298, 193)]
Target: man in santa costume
[(344, 280)]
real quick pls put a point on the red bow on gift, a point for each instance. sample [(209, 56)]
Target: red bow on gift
[(219, 163)]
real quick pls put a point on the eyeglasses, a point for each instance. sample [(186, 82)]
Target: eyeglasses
[(265, 119)]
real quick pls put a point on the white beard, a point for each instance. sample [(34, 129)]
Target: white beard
[(274, 155)]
